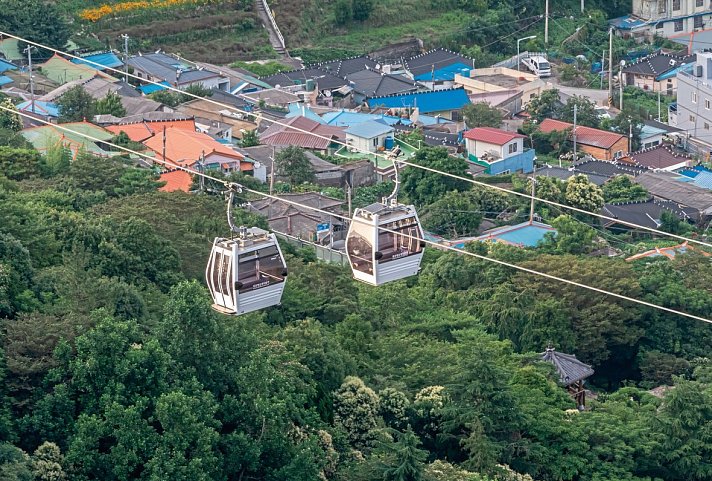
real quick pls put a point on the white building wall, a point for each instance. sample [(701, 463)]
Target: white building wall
[(480, 148)]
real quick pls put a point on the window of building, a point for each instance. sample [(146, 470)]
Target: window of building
[(512, 148), (676, 4), (661, 6), (659, 25), (707, 126), (694, 97), (699, 3), (692, 118), (375, 142), (707, 104), (698, 22), (678, 25)]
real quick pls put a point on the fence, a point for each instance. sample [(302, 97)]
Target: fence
[(274, 24), (513, 61), (323, 253)]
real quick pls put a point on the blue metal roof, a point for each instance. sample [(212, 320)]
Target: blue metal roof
[(41, 107), (627, 22), (5, 66), (346, 119), (445, 73), (704, 180), (526, 234), (429, 101), (648, 131), (151, 88), (297, 110), (105, 60), (369, 130), (4, 80), (673, 73)]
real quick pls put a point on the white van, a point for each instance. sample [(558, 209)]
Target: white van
[(538, 66)]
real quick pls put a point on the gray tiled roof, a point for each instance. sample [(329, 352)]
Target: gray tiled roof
[(322, 78), (607, 169), (664, 186), (435, 59), (565, 174), (347, 66), (165, 67), (658, 63), (645, 213), (374, 84), (570, 369)]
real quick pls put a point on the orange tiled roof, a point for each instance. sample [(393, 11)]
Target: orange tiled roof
[(184, 147), (176, 180), (140, 131), (584, 135)]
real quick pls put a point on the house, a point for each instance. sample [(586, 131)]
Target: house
[(439, 67), (75, 138), (668, 252), (175, 180), (369, 136), (434, 138), (446, 103), (600, 144), (10, 50), (209, 117), (61, 70), (347, 66), (159, 67), (572, 373), (241, 81), (660, 157), (503, 87), (664, 185), (271, 98), (657, 72), (647, 213), (6, 65), (298, 220), (526, 234), (140, 128), (698, 175), (606, 169), (347, 118), (304, 133), (327, 174), (100, 61), (5, 80), (654, 133), (97, 87), (499, 151), (311, 78), (663, 18), (369, 83), (185, 148), (693, 110), (48, 111)]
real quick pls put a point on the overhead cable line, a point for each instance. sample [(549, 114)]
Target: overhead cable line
[(358, 149), (231, 185)]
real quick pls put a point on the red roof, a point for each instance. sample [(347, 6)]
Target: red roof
[(176, 180), (311, 134), (659, 157), (140, 131), (184, 147), (584, 135), (492, 136)]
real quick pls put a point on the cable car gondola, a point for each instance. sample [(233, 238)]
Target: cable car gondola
[(385, 241), (247, 272)]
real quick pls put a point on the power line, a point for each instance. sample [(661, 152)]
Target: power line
[(403, 162), (316, 209)]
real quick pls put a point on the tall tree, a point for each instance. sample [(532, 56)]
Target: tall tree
[(546, 105), (482, 114), (9, 119), (76, 105), (36, 20), (423, 187), (110, 105), (584, 194), (586, 114), (293, 163)]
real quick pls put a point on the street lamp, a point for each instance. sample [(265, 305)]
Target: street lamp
[(620, 82), (518, 42)]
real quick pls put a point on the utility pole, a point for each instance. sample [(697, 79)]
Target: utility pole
[(546, 24), (630, 135), (126, 57), (574, 132), (603, 67), (610, 67), (620, 83), (202, 171), (163, 152), (658, 105), (531, 207), (582, 5), (32, 80)]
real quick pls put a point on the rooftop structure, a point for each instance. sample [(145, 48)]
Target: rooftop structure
[(439, 65), (159, 67), (369, 83), (62, 70), (668, 252), (46, 137), (347, 66), (661, 157), (443, 101), (317, 137), (647, 213), (99, 61)]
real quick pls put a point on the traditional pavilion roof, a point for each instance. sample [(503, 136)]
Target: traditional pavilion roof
[(570, 369)]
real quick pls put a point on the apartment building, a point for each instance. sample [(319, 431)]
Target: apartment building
[(665, 18), (693, 111)]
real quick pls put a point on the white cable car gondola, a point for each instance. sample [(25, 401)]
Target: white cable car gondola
[(385, 241), (245, 273)]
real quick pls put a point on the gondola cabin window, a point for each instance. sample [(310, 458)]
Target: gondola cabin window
[(260, 268), (399, 239)]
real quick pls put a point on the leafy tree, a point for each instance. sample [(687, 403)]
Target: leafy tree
[(35, 20), (16, 275), (544, 106), (621, 188), (250, 138), (15, 464), (362, 9), (9, 119), (671, 223), (47, 463), (293, 163), (356, 411), (422, 187), (19, 164), (584, 194), (110, 105), (586, 114), (5, 415), (482, 114), (455, 214), (193, 91), (394, 407), (343, 12), (167, 97), (15, 140), (572, 236), (628, 122), (407, 459), (76, 105)]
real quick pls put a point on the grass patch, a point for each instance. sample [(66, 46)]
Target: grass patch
[(262, 69)]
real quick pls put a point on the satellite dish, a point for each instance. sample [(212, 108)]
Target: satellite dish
[(327, 93), (378, 66), (277, 86)]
